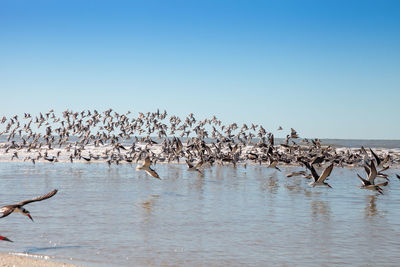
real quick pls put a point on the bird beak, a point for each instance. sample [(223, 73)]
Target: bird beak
[(5, 239), (30, 217), (329, 186)]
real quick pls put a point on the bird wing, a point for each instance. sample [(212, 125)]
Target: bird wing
[(146, 162), (365, 182), (378, 160), (373, 173), (311, 168), (367, 170), (314, 173), (152, 173), (383, 184), (7, 210), (199, 164), (189, 164), (291, 174), (273, 164), (46, 196), (325, 174), (384, 169), (364, 151)]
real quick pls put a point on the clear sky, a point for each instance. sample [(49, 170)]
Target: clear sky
[(329, 69)]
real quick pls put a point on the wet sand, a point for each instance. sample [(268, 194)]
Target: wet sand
[(16, 261)]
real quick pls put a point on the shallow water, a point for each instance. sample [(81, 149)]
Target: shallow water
[(254, 216)]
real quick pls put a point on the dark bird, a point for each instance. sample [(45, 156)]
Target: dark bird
[(192, 167), (273, 165), (370, 183), (319, 180), (7, 210)]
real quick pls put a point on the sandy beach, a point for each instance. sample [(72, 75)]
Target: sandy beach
[(16, 261)]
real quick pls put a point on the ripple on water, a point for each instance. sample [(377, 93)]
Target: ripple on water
[(105, 216)]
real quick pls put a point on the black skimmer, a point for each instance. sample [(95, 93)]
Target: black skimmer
[(274, 165), (319, 180), (370, 183), (146, 167), (19, 207), (192, 167)]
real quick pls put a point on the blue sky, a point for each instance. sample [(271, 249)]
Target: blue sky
[(329, 69)]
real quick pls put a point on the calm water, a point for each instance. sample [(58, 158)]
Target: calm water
[(255, 217)]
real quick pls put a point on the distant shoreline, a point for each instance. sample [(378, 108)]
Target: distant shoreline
[(96, 154)]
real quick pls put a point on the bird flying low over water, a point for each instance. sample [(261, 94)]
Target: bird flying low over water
[(19, 207), (192, 167), (146, 167), (319, 180), (5, 238), (370, 183), (273, 165)]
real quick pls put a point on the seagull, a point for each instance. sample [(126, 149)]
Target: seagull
[(5, 238), (146, 166), (7, 210), (319, 180)]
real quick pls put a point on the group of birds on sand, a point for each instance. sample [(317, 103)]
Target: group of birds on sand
[(19, 208), (153, 137)]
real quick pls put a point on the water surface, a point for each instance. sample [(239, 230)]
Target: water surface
[(254, 216)]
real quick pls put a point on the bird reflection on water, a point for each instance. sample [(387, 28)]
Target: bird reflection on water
[(370, 206)]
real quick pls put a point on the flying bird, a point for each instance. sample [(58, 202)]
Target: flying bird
[(192, 167), (19, 207), (146, 167), (319, 180), (370, 183), (273, 165)]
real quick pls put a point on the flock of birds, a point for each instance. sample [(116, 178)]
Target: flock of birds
[(154, 137)]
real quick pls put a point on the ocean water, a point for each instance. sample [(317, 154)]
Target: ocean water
[(254, 216)]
